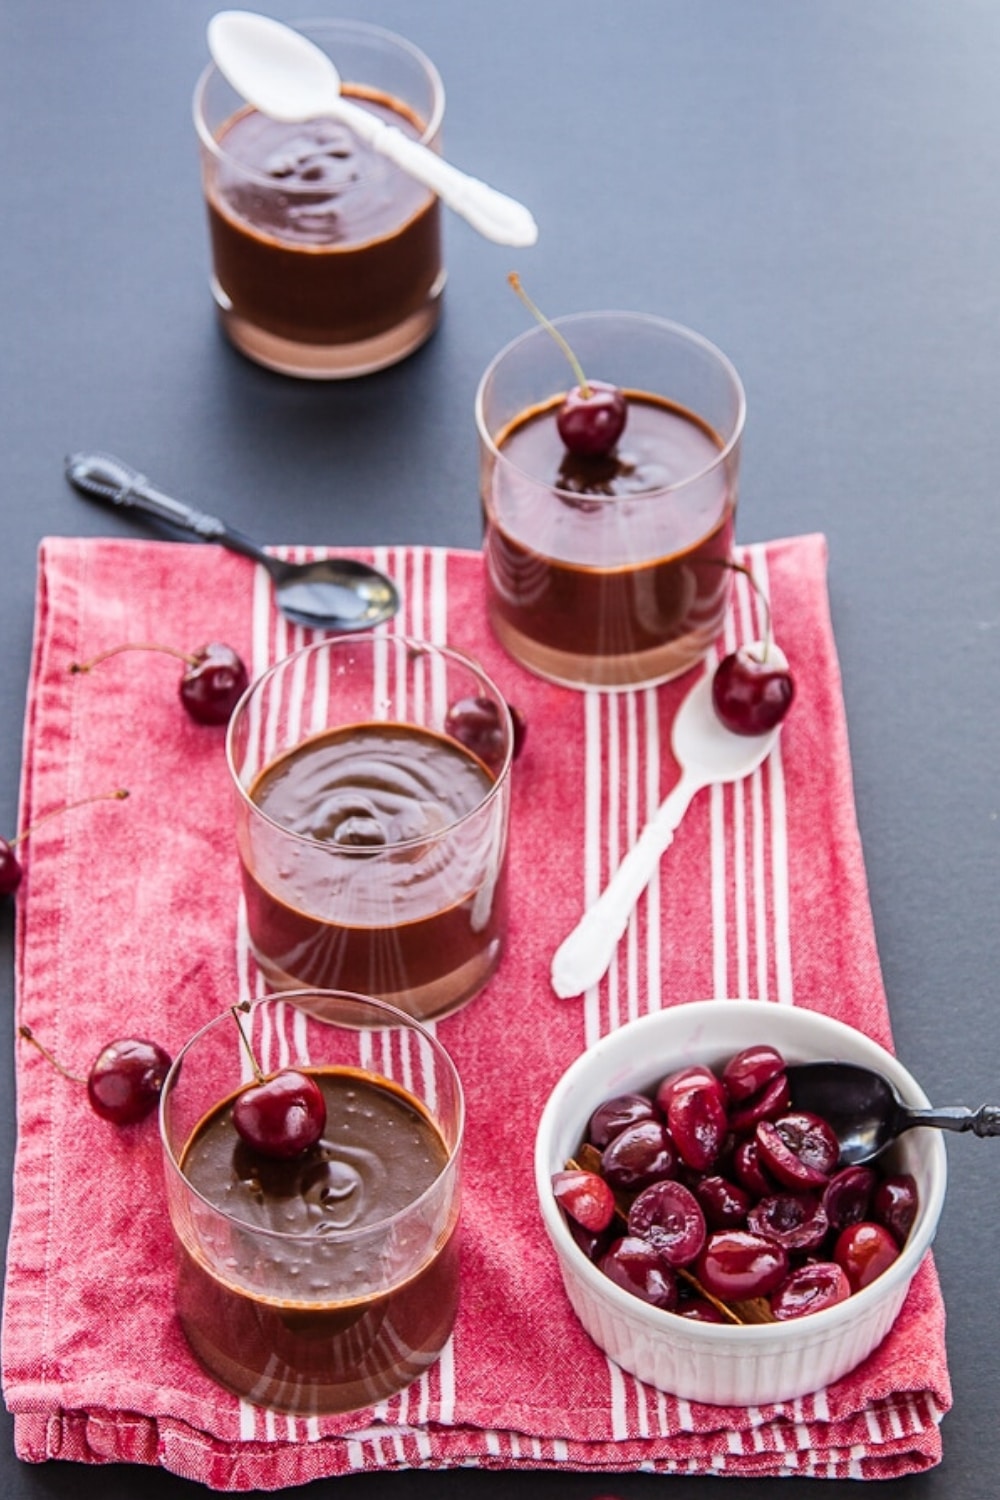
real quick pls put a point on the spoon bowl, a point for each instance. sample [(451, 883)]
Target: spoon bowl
[(335, 594), (866, 1113), (708, 753), (287, 77)]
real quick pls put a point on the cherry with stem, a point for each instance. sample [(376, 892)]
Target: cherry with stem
[(281, 1114), (124, 1081), (752, 690), (593, 414), (11, 869), (213, 681)]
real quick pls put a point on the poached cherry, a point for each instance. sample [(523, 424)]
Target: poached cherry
[(212, 683), (11, 869), (280, 1114), (593, 414), (586, 1197), (124, 1081)]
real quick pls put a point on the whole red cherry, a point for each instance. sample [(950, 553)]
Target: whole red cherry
[(10, 869), (213, 683), (282, 1115), (593, 414), (751, 693), (125, 1079), (592, 418)]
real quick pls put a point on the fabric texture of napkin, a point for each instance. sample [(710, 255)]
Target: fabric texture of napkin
[(128, 923)]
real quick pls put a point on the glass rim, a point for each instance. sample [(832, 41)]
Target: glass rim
[(396, 1019), (666, 325), (319, 25), (369, 853)]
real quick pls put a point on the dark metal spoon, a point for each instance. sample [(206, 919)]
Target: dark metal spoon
[(867, 1114), (335, 593)]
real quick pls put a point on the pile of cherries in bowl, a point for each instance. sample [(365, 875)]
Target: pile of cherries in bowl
[(711, 1197)]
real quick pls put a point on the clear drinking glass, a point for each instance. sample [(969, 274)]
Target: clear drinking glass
[(326, 257), (371, 828), (607, 572), (329, 1281)]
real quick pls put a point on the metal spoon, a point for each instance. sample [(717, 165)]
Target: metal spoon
[(334, 593), (286, 76), (707, 752), (867, 1114)]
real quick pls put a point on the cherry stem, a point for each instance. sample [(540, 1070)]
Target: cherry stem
[(747, 573), (549, 326), (29, 1036), (118, 795), (85, 666), (236, 1009)]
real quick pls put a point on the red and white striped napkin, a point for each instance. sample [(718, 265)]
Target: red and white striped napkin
[(129, 923)]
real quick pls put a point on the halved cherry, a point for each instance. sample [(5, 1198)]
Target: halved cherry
[(800, 1149), (809, 1289), (669, 1216), (586, 1197)]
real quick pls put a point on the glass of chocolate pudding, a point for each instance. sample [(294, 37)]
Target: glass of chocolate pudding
[(325, 1280), (608, 571), (326, 258), (371, 820)]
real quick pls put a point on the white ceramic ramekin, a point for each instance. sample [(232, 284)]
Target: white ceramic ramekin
[(722, 1363)]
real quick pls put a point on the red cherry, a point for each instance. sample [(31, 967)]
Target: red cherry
[(693, 1076), (10, 869), (476, 723), (697, 1122), (736, 1263), (863, 1251), (809, 1289), (746, 1074), (593, 414), (213, 683), (592, 418), (586, 1197), (751, 694), (281, 1116), (125, 1080)]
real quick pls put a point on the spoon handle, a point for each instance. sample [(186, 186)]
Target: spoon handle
[(984, 1121), (103, 477), (493, 214), (583, 958)]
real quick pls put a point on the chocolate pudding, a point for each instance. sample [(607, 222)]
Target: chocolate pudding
[(352, 1213), (655, 597), (392, 885), (318, 241)]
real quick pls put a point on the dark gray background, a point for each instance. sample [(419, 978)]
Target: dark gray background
[(815, 185)]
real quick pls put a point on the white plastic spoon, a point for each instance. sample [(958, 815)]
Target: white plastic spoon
[(707, 752), (286, 76)]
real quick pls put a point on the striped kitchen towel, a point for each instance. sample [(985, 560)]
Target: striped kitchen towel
[(129, 922)]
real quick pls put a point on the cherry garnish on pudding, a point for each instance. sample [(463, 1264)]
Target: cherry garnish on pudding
[(124, 1081), (752, 689), (212, 683), (280, 1114), (593, 414), (11, 870)]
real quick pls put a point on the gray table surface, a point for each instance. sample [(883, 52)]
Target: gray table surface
[(815, 185)]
